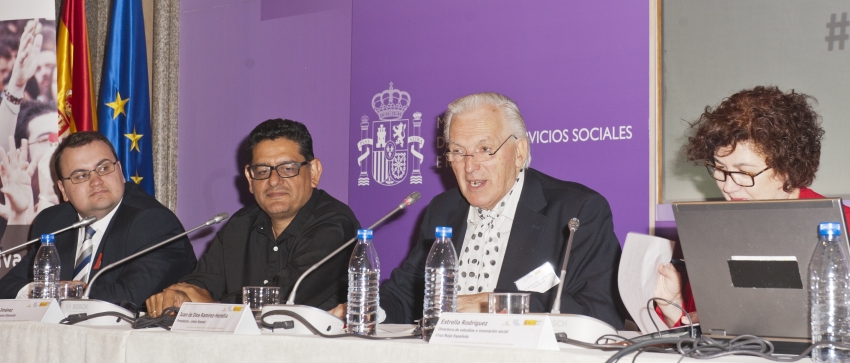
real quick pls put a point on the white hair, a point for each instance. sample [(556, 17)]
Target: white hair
[(510, 112)]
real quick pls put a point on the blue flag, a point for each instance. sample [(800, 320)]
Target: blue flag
[(124, 107)]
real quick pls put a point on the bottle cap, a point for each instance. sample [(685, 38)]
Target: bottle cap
[(47, 238), (364, 233), (829, 229), (444, 232)]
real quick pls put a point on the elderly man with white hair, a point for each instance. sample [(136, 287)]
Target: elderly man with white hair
[(508, 220)]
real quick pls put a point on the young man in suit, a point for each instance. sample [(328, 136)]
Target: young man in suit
[(128, 220)]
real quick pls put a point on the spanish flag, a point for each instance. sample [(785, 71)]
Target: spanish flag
[(124, 107), (77, 110)]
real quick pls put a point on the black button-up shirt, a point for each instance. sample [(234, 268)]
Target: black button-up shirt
[(245, 253)]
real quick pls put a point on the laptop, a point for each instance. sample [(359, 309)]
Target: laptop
[(748, 263)]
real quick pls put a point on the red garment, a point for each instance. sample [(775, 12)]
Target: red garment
[(688, 297)]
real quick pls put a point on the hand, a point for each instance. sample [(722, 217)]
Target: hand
[(669, 286), (166, 299), (46, 189), (27, 61), (174, 296), (476, 303), (16, 177), (339, 311)]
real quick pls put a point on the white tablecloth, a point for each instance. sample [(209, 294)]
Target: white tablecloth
[(41, 342)]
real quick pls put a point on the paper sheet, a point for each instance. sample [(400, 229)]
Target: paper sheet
[(638, 276)]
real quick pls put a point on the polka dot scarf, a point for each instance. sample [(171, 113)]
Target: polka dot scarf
[(485, 241)]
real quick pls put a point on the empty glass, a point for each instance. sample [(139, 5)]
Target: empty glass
[(508, 302), (258, 296)]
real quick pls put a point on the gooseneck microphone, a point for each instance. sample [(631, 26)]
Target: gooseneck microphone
[(217, 219), (82, 223), (573, 226), (412, 198)]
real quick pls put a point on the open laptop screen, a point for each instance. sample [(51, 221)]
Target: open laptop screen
[(748, 262)]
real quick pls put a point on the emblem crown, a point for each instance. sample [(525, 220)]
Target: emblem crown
[(391, 103)]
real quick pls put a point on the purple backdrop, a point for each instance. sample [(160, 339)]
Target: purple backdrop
[(571, 66), (242, 63)]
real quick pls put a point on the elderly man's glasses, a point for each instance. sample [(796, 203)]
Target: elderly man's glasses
[(741, 178), (481, 154), (285, 170), (81, 176)]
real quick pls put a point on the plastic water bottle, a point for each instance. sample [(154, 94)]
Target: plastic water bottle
[(46, 270), (440, 281), (364, 269), (829, 274)]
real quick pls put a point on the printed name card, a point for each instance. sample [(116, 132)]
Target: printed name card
[(220, 318), (43, 310), (501, 330)]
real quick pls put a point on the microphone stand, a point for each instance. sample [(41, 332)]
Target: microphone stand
[(89, 307), (218, 218), (577, 327), (573, 225), (82, 223), (412, 198), (320, 319)]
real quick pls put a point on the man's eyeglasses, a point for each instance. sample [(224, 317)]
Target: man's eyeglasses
[(742, 178), (481, 154), (285, 170), (81, 176)]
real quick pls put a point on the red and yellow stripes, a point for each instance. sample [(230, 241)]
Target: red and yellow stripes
[(77, 111)]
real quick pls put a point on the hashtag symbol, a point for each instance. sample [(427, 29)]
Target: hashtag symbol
[(842, 36)]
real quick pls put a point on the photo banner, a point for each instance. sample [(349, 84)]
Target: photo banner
[(29, 122)]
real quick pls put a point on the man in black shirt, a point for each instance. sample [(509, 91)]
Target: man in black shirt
[(293, 226)]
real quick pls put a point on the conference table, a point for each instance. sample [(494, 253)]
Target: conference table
[(43, 342)]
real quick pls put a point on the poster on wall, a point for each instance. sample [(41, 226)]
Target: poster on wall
[(28, 119)]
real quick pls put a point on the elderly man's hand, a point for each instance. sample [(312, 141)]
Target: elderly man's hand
[(174, 296), (476, 303)]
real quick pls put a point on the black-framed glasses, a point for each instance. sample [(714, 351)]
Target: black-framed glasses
[(742, 178), (482, 153), (82, 176), (285, 170)]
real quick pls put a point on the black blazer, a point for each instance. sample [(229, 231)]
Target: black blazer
[(538, 234), (140, 222)]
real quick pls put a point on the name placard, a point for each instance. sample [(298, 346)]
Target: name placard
[(220, 318), (502, 330), (43, 310)]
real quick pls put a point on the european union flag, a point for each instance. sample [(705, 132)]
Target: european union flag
[(124, 108)]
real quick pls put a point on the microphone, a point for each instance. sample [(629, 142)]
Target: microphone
[(82, 223), (573, 226), (217, 219), (577, 327), (412, 198)]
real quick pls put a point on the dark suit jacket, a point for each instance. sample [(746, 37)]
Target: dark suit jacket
[(140, 222), (538, 235)]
